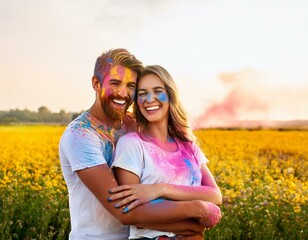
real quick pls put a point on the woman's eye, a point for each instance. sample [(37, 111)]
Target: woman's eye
[(141, 94)]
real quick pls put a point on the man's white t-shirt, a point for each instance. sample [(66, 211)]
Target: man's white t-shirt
[(155, 165), (86, 143)]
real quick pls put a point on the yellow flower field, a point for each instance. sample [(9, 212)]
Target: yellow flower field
[(262, 175)]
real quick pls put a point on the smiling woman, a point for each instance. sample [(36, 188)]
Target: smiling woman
[(162, 154), (152, 99)]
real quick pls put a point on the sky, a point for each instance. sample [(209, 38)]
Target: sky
[(232, 60)]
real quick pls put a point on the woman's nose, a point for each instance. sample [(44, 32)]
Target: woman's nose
[(150, 97)]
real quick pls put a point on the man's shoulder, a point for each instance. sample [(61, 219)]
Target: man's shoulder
[(80, 126)]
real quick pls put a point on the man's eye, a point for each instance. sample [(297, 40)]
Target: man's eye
[(133, 87)]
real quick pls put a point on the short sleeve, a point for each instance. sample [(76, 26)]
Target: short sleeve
[(83, 148), (129, 154), (202, 159)]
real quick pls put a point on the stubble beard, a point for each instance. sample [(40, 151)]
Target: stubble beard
[(112, 113)]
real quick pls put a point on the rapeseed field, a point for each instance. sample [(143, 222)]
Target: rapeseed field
[(262, 175)]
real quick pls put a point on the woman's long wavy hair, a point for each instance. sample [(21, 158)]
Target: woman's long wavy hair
[(178, 124)]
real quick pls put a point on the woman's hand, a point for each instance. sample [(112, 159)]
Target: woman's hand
[(134, 195)]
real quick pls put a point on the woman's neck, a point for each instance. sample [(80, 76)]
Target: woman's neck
[(158, 131), (158, 134)]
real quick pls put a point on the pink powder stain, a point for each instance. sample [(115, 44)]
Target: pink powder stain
[(179, 165), (121, 71), (214, 214)]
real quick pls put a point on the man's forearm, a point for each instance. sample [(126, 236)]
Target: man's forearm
[(164, 211), (185, 227)]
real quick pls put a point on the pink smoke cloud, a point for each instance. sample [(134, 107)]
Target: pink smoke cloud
[(247, 102)]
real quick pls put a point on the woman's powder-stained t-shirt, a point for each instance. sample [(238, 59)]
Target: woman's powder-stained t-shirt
[(155, 165)]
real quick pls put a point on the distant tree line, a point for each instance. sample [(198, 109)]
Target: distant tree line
[(43, 115)]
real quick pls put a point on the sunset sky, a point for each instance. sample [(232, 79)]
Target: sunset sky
[(231, 60)]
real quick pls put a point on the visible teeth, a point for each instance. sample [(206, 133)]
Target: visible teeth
[(121, 102), (152, 108)]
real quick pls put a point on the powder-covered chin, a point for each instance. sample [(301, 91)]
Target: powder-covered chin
[(114, 114)]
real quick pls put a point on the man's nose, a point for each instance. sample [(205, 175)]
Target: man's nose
[(122, 91)]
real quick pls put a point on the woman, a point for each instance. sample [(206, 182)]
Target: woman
[(162, 154)]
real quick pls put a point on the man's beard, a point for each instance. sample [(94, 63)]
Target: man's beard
[(113, 113)]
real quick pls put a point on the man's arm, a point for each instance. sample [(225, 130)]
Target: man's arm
[(100, 179), (184, 228)]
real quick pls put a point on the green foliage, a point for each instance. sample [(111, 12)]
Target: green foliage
[(32, 214), (44, 115), (250, 220)]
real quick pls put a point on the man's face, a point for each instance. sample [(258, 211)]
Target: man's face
[(118, 91)]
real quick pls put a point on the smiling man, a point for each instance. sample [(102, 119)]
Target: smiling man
[(86, 152)]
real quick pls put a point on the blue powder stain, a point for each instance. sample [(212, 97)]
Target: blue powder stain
[(108, 152), (188, 163), (163, 97), (149, 96), (86, 124), (193, 175), (158, 200)]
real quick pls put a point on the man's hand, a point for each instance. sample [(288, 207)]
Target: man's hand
[(211, 214)]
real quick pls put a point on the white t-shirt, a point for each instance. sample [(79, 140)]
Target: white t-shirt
[(155, 165), (86, 143)]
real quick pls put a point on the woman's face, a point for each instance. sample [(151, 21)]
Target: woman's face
[(152, 98)]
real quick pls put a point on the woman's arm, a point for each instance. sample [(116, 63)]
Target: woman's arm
[(143, 193), (183, 227), (100, 179)]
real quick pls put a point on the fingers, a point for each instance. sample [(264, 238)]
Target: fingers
[(120, 188), (126, 201), (132, 206), (135, 204), (124, 194)]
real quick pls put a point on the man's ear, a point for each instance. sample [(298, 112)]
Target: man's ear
[(95, 83)]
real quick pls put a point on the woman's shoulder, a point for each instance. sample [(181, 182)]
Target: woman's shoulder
[(132, 136)]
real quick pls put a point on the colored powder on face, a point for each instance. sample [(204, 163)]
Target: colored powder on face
[(121, 71), (133, 96), (140, 100), (103, 92), (163, 97), (114, 73), (128, 75), (149, 97)]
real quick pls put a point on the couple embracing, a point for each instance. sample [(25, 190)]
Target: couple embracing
[(140, 175)]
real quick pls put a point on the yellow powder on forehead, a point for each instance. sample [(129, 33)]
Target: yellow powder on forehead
[(129, 75), (123, 73), (114, 73)]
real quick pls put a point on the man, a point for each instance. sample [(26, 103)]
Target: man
[(86, 152)]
